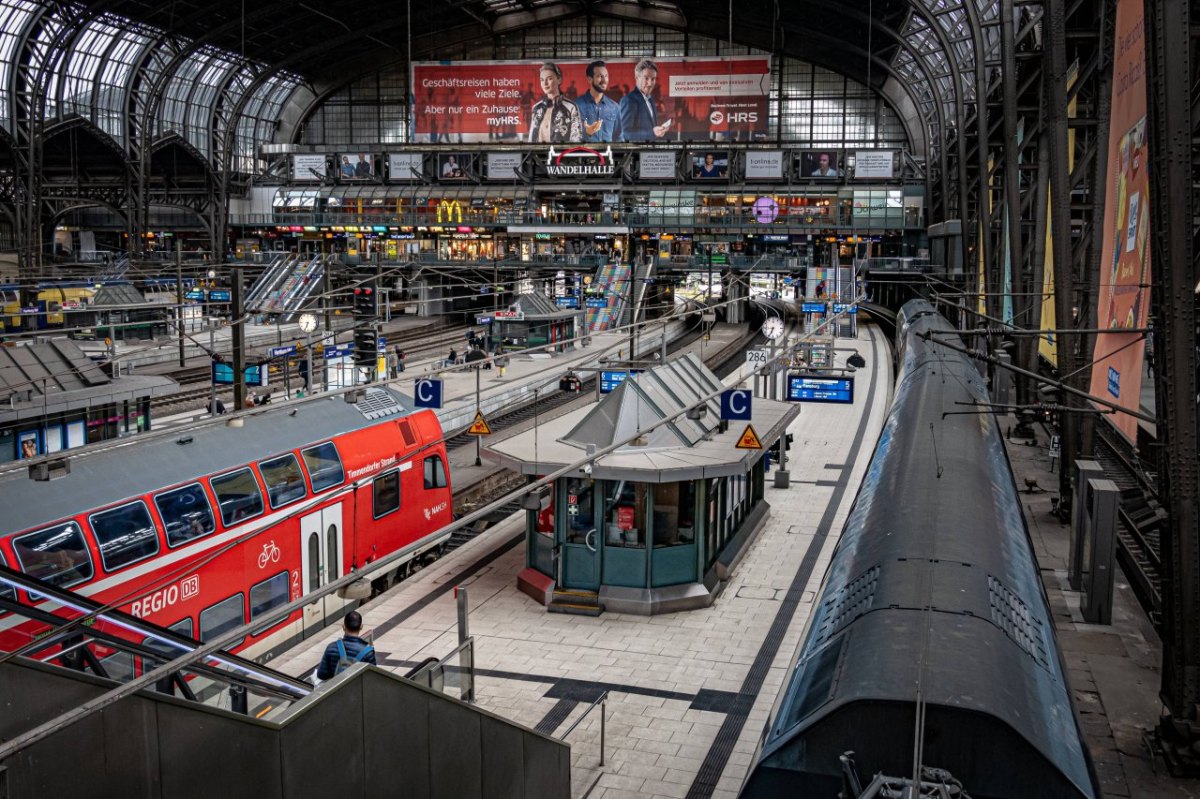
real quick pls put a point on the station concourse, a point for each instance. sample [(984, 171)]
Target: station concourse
[(570, 342)]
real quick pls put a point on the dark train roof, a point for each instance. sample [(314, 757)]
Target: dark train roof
[(933, 584), (141, 465)]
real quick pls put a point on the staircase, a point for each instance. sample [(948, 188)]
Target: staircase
[(291, 301), (577, 603), (613, 279), (275, 273)]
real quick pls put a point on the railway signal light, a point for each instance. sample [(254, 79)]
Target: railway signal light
[(365, 302)]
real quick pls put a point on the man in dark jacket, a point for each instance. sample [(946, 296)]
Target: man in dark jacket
[(350, 643)]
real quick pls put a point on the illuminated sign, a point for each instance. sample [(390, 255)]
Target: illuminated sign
[(814, 388), (610, 380), (580, 161), (451, 208)]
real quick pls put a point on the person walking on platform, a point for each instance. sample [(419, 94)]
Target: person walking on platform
[(400, 359), (393, 365), (349, 649)]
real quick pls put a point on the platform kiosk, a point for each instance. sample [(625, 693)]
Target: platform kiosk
[(658, 524), (534, 321)]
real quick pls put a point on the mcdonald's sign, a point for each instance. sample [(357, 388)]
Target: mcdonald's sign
[(451, 207)]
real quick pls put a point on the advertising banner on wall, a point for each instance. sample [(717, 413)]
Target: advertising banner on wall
[(617, 100), (405, 166), (875, 164), (764, 164), (356, 166), (1124, 299), (657, 165), (503, 166), (308, 167)]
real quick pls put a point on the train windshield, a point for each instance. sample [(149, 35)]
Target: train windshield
[(324, 466), (285, 482), (125, 535), (238, 496), (185, 513), (57, 554)]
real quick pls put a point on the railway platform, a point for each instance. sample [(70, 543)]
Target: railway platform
[(1114, 669), (688, 693)]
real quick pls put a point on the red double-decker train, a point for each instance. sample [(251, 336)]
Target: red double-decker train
[(201, 533)]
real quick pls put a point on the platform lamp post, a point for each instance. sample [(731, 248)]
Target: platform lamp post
[(308, 323), (478, 369)]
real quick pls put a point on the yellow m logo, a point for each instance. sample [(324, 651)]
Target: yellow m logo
[(451, 207)]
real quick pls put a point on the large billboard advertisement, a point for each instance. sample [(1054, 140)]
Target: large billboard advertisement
[(618, 100), (1124, 298)]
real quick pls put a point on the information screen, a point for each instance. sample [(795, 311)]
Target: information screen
[(815, 388), (610, 380)]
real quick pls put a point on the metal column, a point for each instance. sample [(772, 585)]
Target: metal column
[(1171, 59)]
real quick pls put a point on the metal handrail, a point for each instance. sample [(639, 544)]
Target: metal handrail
[(430, 672), (602, 701)]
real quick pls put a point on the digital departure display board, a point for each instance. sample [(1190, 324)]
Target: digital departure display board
[(610, 380), (817, 388)]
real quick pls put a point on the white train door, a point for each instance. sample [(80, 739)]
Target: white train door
[(321, 562)]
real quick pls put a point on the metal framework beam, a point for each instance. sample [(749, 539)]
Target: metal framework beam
[(1171, 51)]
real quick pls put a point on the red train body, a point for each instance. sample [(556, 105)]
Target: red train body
[(216, 537)]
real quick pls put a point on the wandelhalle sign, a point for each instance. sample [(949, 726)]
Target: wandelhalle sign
[(580, 162), (704, 99)]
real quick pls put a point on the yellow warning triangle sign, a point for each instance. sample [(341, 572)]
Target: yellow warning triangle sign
[(749, 439), (480, 427)]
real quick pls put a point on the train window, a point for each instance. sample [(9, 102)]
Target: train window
[(220, 618), (186, 513), (238, 495), (314, 560), (331, 555), (324, 466), (435, 472), (57, 554), (285, 481), (170, 651), (385, 493), (269, 594), (125, 535)]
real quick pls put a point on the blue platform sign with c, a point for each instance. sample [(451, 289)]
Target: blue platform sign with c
[(735, 404), (428, 393)]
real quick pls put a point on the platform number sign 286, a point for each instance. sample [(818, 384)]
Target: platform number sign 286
[(756, 358)]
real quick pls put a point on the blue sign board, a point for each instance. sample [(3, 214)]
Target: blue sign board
[(483, 320), (735, 404), (381, 344), (596, 302), (610, 380), (428, 393), (222, 374), (841, 307), (1114, 382), (812, 307), (815, 388), (567, 302), (195, 294), (338, 350), (220, 295), (282, 352)]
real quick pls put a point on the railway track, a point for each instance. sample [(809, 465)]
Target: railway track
[(557, 400), (1140, 519), (196, 387)]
